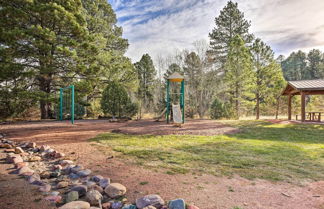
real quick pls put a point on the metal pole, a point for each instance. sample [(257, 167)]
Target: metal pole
[(168, 101), (72, 104), (183, 100), (61, 104)]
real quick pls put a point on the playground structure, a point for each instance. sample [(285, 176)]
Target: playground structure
[(178, 110), (67, 103)]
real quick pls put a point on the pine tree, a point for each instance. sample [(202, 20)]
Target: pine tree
[(267, 72), (229, 23), (146, 75), (40, 39), (315, 67), (238, 73)]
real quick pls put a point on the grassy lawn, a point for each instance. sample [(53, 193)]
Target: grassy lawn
[(261, 150)]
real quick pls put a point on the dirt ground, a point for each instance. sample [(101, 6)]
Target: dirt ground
[(206, 191)]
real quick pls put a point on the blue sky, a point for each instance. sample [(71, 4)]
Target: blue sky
[(159, 27)]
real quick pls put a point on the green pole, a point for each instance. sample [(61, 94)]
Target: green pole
[(183, 101), (168, 101), (61, 104), (72, 104)]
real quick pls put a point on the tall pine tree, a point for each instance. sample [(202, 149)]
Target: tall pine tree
[(229, 23)]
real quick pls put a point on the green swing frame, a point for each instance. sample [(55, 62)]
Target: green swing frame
[(72, 102)]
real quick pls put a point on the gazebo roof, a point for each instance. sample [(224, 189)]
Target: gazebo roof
[(175, 77), (307, 86)]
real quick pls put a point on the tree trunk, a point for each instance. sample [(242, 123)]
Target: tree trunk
[(257, 107), (45, 104), (277, 107), (237, 104)]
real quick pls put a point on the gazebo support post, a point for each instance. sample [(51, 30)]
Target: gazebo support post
[(302, 94), (289, 106)]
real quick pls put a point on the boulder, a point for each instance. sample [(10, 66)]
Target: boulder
[(114, 190), (177, 204), (93, 196), (72, 196), (150, 200), (81, 189), (76, 205)]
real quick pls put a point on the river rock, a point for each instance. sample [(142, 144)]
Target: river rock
[(45, 188), (152, 199), (55, 193), (129, 207), (31, 145), (20, 164), (114, 190), (73, 176), (96, 178), (54, 199), (19, 150), (96, 187), (25, 169), (93, 196), (34, 158), (66, 162), (151, 207), (72, 196), (7, 146), (177, 204), (104, 182), (57, 167), (45, 175), (81, 189), (62, 184), (9, 150), (76, 205), (76, 168), (32, 178), (84, 173), (44, 147), (17, 159), (116, 205), (106, 205)]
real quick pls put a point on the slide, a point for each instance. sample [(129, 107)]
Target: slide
[(177, 116)]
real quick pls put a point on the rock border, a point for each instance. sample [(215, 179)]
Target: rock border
[(68, 185)]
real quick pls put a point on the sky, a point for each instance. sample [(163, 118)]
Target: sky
[(159, 27)]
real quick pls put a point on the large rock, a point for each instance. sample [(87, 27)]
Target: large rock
[(94, 197), (76, 205), (81, 189), (72, 196), (152, 199), (114, 190), (177, 204)]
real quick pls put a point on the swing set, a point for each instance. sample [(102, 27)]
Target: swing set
[(67, 103)]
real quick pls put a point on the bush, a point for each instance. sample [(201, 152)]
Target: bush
[(116, 102), (220, 110)]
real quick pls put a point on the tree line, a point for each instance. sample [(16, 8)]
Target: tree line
[(46, 45)]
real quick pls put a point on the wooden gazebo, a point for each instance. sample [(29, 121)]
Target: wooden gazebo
[(303, 88)]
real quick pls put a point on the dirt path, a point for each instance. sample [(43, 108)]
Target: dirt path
[(206, 191)]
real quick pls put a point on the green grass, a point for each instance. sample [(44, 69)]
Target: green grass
[(260, 150)]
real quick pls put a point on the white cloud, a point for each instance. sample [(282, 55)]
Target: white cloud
[(158, 27)]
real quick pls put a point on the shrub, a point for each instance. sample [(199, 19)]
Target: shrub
[(220, 110), (116, 102)]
